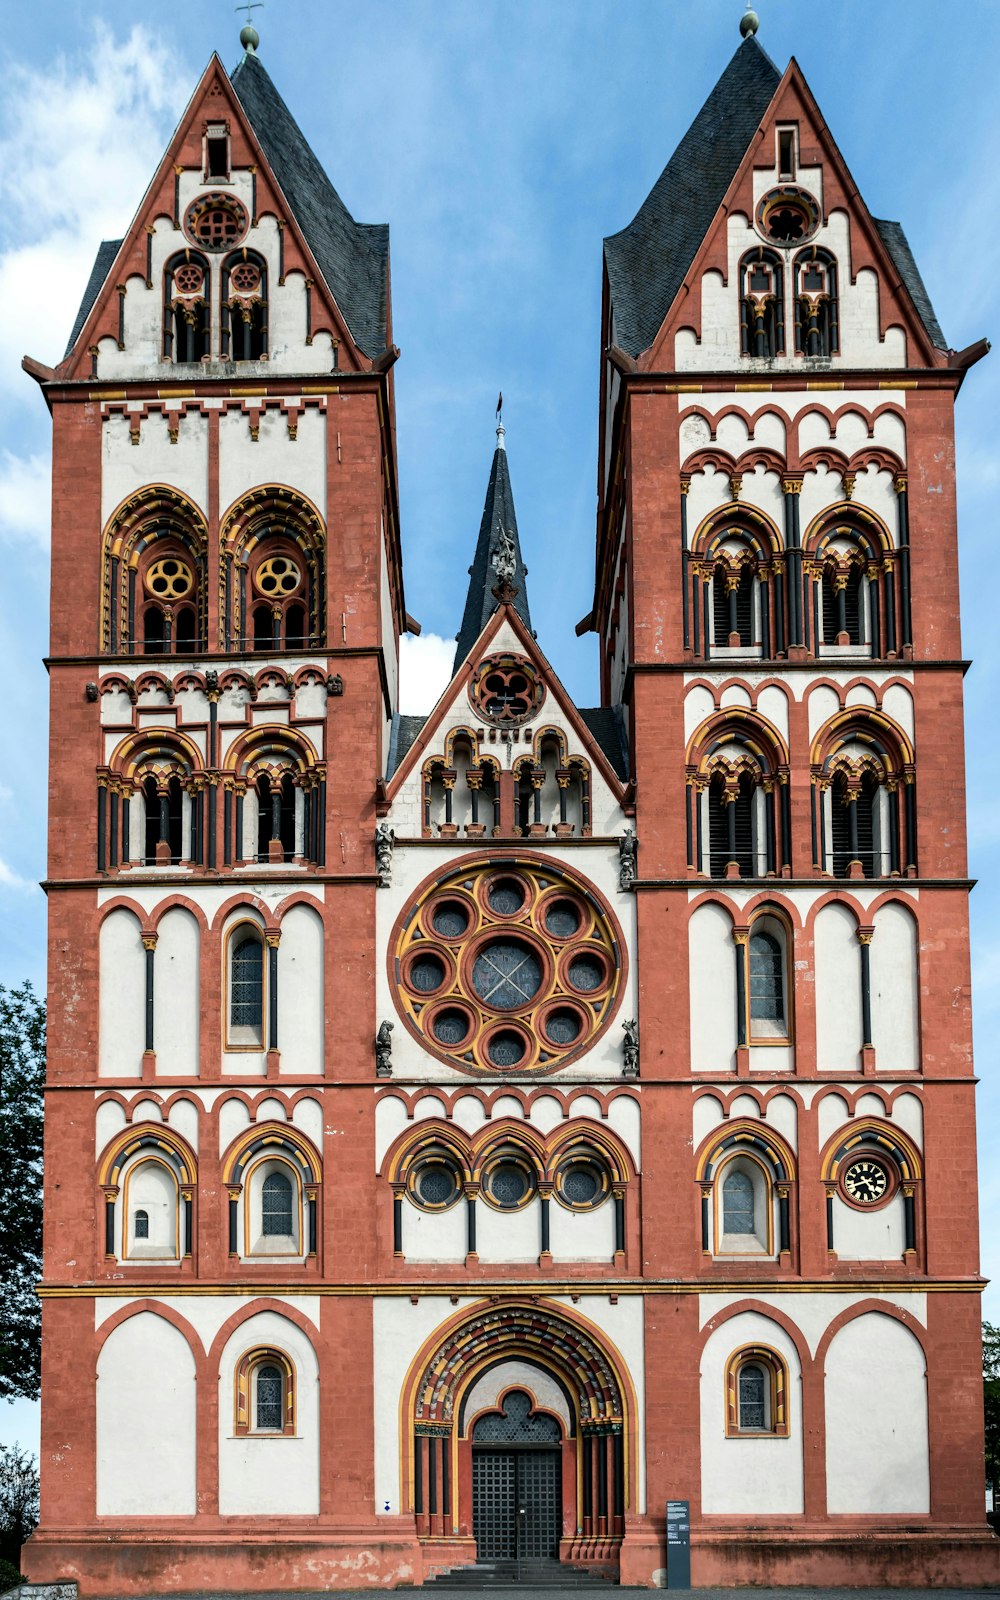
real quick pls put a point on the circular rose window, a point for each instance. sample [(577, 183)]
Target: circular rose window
[(506, 967), (506, 689), (787, 216), (216, 221)]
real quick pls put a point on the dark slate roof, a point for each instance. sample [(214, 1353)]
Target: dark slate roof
[(403, 732), (608, 728), (106, 253), (481, 603), (352, 256), (648, 261), (898, 246)]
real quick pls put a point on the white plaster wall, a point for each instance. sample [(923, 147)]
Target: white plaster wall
[(176, 994), (707, 1113), (108, 1120), (908, 1114), (122, 1009), (436, 1235), (275, 458), (300, 992), (582, 1235), (270, 1475), (699, 703), (184, 1118), (838, 990), (234, 1116), (895, 990), (814, 1313), (146, 1421), (127, 467), (761, 1476), (869, 1235), (712, 990), (875, 1370), (509, 1235), (833, 1113)]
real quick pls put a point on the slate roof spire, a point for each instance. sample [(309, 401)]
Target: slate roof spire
[(498, 518)]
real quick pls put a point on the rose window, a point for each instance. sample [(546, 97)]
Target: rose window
[(189, 279), (277, 576), (216, 221), (506, 967), (245, 279), (788, 215), (506, 689)]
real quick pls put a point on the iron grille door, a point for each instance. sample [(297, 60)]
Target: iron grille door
[(539, 1497), (494, 1504)]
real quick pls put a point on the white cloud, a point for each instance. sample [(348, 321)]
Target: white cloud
[(425, 664), (25, 496), (9, 879), (69, 178)]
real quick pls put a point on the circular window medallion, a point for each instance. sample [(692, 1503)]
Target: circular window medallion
[(216, 221), (169, 578), (245, 279), (866, 1181), (277, 576), (189, 279), (581, 1184), (506, 966), (787, 216), (435, 1186), (508, 1184), (506, 689)]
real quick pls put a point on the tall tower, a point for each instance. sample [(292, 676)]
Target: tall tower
[(777, 607)]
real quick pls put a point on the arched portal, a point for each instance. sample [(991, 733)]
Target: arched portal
[(520, 1426)]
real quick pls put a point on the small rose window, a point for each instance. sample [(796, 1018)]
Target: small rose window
[(216, 221), (506, 689)]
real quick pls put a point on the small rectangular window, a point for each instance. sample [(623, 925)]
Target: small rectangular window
[(216, 152), (786, 152)]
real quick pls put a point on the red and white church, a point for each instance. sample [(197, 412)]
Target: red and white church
[(466, 1133)]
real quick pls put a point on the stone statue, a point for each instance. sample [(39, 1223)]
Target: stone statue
[(504, 558), (385, 838), (628, 846), (630, 1063), (383, 1051)]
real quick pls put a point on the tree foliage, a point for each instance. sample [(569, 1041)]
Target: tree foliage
[(22, 1076), (18, 1500), (991, 1397)]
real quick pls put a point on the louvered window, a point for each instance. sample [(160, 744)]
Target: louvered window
[(718, 830), (852, 608), (840, 828), (721, 612)]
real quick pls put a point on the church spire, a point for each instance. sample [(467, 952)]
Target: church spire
[(497, 538)]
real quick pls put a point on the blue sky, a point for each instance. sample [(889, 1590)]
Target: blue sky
[(501, 143)]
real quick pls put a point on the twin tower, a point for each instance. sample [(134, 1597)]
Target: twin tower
[(466, 1133)]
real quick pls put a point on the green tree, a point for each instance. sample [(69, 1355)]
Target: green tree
[(18, 1501), (991, 1397), (22, 1076)]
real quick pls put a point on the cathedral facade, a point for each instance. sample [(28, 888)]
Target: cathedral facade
[(467, 1133)]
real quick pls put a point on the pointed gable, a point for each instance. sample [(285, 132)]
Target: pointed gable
[(498, 514), (648, 261), (353, 256)]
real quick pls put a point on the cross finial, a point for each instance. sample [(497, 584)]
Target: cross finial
[(249, 37)]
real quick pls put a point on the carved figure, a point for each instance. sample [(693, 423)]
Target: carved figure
[(628, 846), (630, 1063), (504, 559), (385, 838), (383, 1051)]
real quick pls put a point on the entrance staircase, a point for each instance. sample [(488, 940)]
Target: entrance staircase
[(519, 1575)]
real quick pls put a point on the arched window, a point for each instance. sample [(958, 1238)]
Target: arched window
[(854, 824), (140, 1225), (756, 1393), (269, 1408), (246, 989), (276, 1205), (150, 1213), (265, 1393), (275, 817), (164, 806), (731, 827), (768, 981), (244, 299), (737, 1204), (167, 598), (186, 308), (817, 310), (842, 605), (279, 581), (733, 608), (762, 304)]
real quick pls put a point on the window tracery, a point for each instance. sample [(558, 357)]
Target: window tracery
[(762, 303), (154, 594), (817, 309), (187, 303), (757, 1389), (245, 307)]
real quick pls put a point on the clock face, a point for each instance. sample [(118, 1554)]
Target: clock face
[(865, 1182)]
